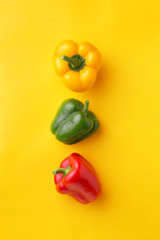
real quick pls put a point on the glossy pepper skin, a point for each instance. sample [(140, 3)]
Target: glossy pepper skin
[(73, 122), (77, 178), (77, 63)]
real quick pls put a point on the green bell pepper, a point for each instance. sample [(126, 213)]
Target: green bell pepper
[(73, 122)]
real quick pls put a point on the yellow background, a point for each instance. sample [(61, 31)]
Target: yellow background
[(125, 150)]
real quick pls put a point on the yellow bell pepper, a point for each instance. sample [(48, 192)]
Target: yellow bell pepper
[(78, 64)]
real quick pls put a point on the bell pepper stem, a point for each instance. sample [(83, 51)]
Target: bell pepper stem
[(86, 105), (65, 171), (74, 62)]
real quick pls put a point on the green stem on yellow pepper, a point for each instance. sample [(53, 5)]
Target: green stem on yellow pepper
[(74, 62)]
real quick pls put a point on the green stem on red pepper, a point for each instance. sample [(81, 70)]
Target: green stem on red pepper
[(65, 171)]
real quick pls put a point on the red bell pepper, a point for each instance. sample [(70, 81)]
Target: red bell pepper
[(77, 178)]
